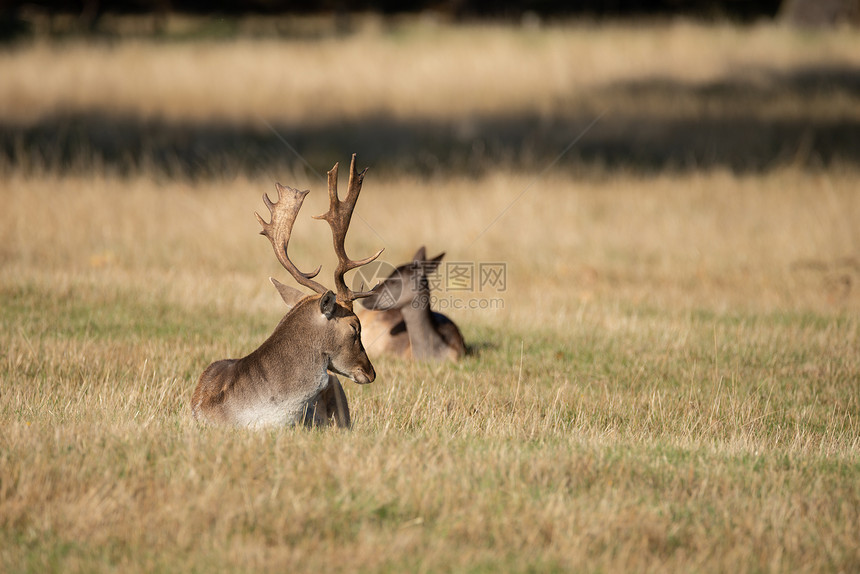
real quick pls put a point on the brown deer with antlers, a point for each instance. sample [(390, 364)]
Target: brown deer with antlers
[(288, 378), (399, 321)]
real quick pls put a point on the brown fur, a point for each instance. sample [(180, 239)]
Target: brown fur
[(286, 379)]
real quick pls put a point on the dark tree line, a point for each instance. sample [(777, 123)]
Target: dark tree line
[(87, 14), (733, 9)]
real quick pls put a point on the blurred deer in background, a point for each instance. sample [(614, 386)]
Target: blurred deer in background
[(398, 320), (288, 378)]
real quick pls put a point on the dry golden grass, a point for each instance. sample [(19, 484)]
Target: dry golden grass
[(713, 240), (415, 70), (672, 384), (657, 393)]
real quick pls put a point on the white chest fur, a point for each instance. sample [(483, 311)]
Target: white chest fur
[(283, 408)]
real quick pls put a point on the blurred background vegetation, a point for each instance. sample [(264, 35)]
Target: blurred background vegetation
[(93, 16), (752, 119)]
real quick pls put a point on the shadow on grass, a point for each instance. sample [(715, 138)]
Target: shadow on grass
[(727, 124)]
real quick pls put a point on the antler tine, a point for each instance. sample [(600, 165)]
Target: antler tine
[(338, 217), (283, 216)]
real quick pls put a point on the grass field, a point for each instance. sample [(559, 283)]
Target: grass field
[(671, 381)]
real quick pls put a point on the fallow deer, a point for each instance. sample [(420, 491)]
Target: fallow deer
[(288, 378), (398, 320)]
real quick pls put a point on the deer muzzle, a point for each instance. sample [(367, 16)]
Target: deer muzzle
[(364, 376), (361, 375)]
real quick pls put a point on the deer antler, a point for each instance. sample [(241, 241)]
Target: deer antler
[(283, 213), (338, 217)]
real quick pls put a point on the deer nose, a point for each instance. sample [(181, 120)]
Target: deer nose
[(365, 376)]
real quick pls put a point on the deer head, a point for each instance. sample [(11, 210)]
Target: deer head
[(406, 286), (341, 326), (399, 320), (289, 373)]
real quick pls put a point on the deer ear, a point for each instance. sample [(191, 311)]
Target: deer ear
[(328, 303), (431, 265), (288, 294), (420, 255)]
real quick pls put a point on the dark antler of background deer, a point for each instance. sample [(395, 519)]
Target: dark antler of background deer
[(288, 378)]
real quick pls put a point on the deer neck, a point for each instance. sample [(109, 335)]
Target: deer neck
[(425, 340), (290, 357)]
